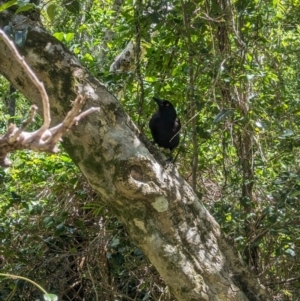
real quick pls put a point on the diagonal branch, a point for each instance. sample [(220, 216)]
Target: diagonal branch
[(44, 139), (33, 78)]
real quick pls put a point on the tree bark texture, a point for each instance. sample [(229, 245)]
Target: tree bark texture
[(159, 209)]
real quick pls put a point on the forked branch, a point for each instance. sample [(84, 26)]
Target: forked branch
[(45, 139)]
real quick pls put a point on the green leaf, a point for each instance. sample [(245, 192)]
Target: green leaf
[(69, 36), (222, 115), (250, 76), (294, 194), (249, 57), (51, 11), (48, 221), (288, 133), (23, 2), (83, 27), (65, 159), (151, 79), (50, 297), (59, 35), (73, 6), (25, 8), (115, 242), (7, 5), (290, 252), (88, 57)]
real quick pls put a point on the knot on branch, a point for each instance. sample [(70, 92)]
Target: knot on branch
[(136, 173), (134, 180)]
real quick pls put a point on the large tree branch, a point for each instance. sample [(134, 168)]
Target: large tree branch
[(159, 209)]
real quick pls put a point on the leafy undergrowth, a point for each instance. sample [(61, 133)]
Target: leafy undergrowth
[(54, 230)]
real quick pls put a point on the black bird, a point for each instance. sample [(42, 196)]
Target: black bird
[(164, 125)]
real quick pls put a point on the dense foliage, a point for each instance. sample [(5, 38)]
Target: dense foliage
[(231, 70)]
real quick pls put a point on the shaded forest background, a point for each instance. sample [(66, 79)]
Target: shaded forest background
[(231, 70)]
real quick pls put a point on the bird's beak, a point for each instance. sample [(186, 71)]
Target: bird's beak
[(158, 101)]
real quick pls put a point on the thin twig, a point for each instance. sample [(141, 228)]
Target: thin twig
[(33, 78)]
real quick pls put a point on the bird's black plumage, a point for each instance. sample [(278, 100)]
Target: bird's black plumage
[(164, 125)]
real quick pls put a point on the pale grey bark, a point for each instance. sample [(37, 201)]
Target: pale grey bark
[(159, 209)]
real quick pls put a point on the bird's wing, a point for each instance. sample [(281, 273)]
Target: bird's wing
[(177, 125)]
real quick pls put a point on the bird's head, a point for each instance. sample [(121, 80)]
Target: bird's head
[(163, 104)]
